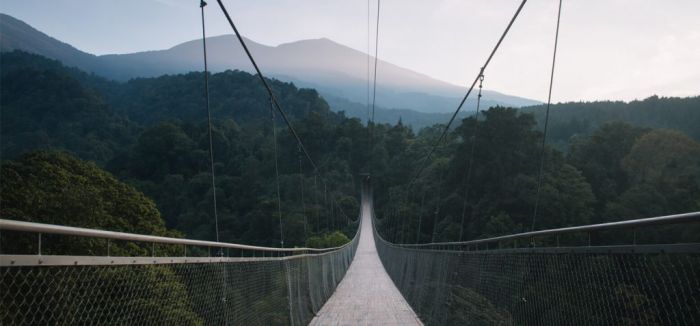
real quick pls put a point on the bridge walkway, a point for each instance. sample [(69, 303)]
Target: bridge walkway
[(366, 295)]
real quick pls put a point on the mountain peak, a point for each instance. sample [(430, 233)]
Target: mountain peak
[(323, 41), (332, 68), (18, 35)]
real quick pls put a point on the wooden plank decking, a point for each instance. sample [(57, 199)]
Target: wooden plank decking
[(366, 295)]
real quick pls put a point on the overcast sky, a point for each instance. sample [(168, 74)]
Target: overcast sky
[(609, 49)]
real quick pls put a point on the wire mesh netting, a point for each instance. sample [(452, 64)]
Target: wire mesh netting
[(526, 287), (257, 291)]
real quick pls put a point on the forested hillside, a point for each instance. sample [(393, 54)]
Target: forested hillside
[(584, 118), (618, 172), (46, 106), (151, 133), (604, 161)]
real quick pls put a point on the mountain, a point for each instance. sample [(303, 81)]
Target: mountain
[(581, 119), (414, 119), (17, 35), (44, 105), (331, 68), (153, 134)]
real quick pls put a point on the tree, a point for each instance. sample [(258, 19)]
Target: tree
[(56, 188), (599, 157), (664, 169), (663, 157), (50, 109)]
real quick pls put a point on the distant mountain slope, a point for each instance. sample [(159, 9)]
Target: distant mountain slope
[(332, 68), (44, 105), (17, 35), (153, 134), (411, 118), (568, 120)]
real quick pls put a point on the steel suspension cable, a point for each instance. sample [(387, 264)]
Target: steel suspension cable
[(224, 277), (426, 159), (316, 202), (277, 172), (376, 53), (374, 87), (303, 202), (271, 95), (529, 264), (325, 205), (420, 216), (467, 182), (546, 121), (390, 219), (437, 207), (202, 4), (402, 215), (267, 86), (333, 219), (368, 60)]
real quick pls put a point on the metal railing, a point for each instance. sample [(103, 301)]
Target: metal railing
[(266, 286), (39, 229), (495, 281), (691, 217)]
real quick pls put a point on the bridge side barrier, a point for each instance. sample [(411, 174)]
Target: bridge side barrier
[(496, 281), (261, 286)]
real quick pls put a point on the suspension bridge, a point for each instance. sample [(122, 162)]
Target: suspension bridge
[(368, 281), (554, 276)]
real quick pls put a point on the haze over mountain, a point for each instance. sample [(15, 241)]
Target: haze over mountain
[(335, 70)]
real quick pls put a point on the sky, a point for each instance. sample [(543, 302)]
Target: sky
[(608, 49)]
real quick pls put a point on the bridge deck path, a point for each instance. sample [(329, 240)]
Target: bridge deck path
[(366, 295)]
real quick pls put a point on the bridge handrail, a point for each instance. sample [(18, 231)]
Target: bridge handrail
[(42, 228), (659, 220)]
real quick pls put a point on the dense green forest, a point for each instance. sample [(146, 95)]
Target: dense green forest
[(152, 134), (619, 172), (578, 119), (605, 161)]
